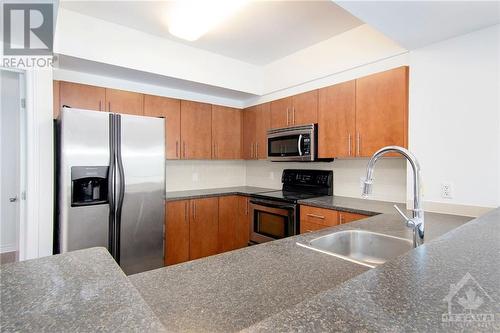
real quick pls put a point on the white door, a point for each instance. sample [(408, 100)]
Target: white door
[(10, 167)]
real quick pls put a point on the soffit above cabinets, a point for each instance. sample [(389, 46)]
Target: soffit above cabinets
[(260, 33)]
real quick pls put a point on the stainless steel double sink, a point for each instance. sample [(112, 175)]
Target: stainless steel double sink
[(359, 246)]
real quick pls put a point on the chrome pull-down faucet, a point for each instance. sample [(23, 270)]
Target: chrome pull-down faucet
[(417, 220)]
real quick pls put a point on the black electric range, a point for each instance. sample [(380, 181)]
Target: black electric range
[(276, 214)]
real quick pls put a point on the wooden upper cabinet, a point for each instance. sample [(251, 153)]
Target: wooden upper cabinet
[(125, 102), (226, 133), (249, 132), (170, 109), (263, 124), (381, 111), (81, 96), (56, 108), (281, 112), (176, 232), (336, 120), (196, 130), (204, 228), (304, 108)]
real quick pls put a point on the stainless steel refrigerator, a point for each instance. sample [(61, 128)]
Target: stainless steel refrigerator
[(111, 185)]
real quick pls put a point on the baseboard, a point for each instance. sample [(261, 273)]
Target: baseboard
[(454, 209)]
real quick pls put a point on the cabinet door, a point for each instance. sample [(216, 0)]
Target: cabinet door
[(226, 133), (81, 96), (381, 111), (345, 217), (126, 102), (243, 222), (305, 108), (176, 232), (196, 130), (228, 220), (170, 109), (249, 132), (203, 228), (281, 112), (307, 226), (263, 123), (336, 120), (56, 98)]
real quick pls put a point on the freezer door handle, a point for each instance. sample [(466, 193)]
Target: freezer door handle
[(121, 187), (111, 184)]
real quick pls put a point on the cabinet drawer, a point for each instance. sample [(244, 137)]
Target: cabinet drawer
[(345, 217), (306, 226), (325, 217)]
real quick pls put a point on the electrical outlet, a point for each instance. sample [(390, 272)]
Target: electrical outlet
[(447, 190)]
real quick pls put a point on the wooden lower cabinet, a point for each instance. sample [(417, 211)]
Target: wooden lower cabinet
[(314, 218), (234, 223), (176, 232), (203, 228), (199, 228), (345, 217)]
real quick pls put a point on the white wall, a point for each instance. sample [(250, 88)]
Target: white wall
[(454, 117), (189, 175)]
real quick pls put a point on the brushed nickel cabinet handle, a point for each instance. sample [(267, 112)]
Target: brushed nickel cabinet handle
[(217, 149), (186, 211), (194, 210), (109, 106), (293, 115), (257, 150), (251, 150), (246, 213), (316, 216), (176, 148), (349, 144), (100, 105), (358, 142), (184, 149), (287, 116)]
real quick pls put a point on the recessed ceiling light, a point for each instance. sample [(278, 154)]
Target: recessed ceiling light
[(191, 19)]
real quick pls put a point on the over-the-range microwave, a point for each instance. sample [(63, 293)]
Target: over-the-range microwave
[(297, 143)]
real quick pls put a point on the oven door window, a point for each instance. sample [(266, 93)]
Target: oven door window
[(284, 146), (271, 225)]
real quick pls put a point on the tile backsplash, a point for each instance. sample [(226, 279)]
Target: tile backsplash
[(389, 184)]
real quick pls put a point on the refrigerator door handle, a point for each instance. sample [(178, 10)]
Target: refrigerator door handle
[(111, 184), (121, 186)]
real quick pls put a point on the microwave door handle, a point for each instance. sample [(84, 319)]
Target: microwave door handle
[(299, 144)]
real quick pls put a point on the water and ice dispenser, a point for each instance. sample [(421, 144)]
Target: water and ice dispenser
[(89, 185)]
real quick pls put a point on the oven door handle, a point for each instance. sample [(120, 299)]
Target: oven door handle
[(299, 144), (272, 204)]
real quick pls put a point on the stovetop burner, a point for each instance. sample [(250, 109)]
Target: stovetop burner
[(287, 195), (302, 184)]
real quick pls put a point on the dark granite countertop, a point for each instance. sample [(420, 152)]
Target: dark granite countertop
[(195, 194), (80, 291), (235, 290), (411, 293), (353, 205)]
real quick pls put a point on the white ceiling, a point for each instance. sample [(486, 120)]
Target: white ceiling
[(260, 33), (414, 24)]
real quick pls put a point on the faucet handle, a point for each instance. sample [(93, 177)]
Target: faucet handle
[(409, 222)]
